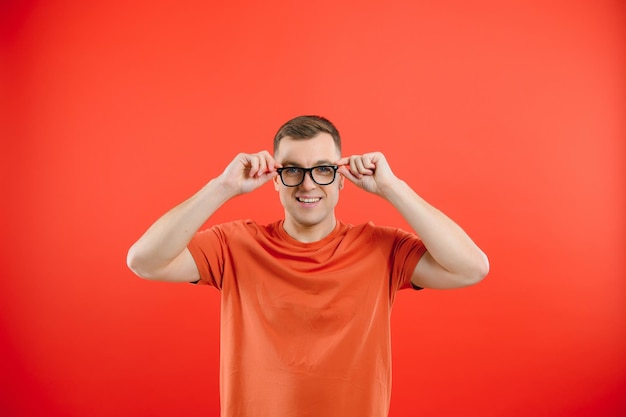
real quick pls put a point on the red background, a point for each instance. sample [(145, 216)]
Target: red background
[(508, 116)]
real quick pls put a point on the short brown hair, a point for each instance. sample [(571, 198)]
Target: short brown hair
[(307, 127)]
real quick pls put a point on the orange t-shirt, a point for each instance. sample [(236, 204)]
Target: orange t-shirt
[(305, 327)]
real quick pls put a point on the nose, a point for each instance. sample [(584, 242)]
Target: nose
[(308, 183)]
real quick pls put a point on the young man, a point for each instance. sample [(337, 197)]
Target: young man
[(306, 301)]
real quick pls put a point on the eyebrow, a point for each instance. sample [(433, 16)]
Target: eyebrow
[(318, 163)]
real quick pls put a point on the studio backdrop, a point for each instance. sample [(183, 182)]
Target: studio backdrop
[(507, 116)]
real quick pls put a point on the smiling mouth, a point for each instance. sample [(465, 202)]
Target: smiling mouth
[(308, 200)]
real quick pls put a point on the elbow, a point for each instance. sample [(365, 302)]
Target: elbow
[(136, 263), (480, 270)]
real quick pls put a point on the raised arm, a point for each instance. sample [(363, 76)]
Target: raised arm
[(161, 253), (452, 259)]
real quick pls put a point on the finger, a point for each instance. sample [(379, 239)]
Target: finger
[(345, 171), (262, 165), (368, 161), (263, 178), (343, 161), (254, 166), (270, 162), (362, 166), (353, 167), (358, 163), (268, 176)]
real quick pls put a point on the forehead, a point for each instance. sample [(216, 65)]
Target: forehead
[(307, 152)]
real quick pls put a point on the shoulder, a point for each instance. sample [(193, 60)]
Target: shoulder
[(376, 231), (224, 231), (235, 225), (386, 237), (241, 229), (366, 234)]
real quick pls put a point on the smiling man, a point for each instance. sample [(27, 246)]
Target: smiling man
[(306, 300)]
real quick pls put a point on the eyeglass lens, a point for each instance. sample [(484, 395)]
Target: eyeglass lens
[(293, 176)]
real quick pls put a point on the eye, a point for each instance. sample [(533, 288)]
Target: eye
[(324, 170), (291, 171)]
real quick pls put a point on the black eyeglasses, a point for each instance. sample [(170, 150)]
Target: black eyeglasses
[(294, 176)]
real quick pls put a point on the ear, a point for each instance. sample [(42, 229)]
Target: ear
[(276, 179), (341, 181)]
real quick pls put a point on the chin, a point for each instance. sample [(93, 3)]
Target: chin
[(308, 221)]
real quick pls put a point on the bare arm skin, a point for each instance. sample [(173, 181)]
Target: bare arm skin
[(161, 253), (452, 259)]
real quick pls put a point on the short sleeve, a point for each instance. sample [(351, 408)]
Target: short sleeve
[(207, 248), (407, 250)]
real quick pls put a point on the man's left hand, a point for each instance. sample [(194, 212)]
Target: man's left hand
[(369, 171)]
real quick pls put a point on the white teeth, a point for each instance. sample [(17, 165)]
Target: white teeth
[(308, 200)]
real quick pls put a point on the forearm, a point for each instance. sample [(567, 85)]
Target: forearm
[(171, 233), (446, 242)]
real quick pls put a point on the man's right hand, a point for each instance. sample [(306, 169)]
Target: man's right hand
[(247, 172), (161, 253)]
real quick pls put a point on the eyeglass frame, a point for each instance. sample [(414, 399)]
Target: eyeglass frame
[(310, 172)]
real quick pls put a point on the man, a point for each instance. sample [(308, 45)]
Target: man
[(306, 300)]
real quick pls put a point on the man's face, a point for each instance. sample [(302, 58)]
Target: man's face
[(309, 205)]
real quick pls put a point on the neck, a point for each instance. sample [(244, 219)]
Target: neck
[(308, 233)]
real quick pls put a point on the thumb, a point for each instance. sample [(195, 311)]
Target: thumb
[(345, 171)]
